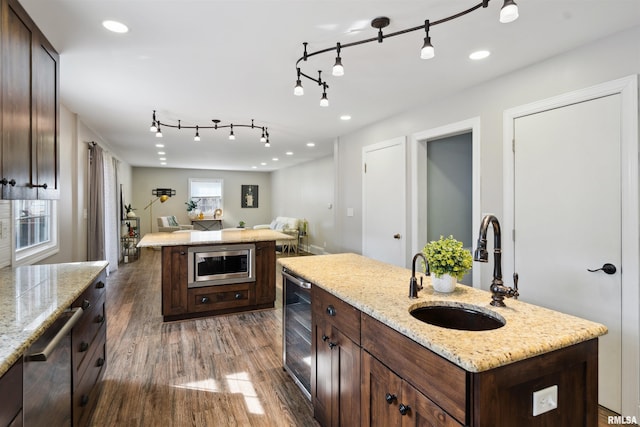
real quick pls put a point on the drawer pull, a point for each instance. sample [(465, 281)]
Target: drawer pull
[(86, 304), (332, 344), (204, 300), (99, 318), (100, 361), (324, 337), (84, 400), (84, 346), (5, 182), (404, 409), (238, 295), (39, 185), (100, 285), (331, 310), (390, 398)]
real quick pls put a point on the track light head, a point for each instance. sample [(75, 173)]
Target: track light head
[(298, 90), (427, 51), (197, 137), (158, 130), (338, 69), (509, 12)]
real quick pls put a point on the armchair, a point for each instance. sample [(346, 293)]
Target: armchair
[(170, 224), (286, 225)]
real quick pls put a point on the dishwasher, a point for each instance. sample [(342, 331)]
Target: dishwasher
[(47, 374), (296, 330)]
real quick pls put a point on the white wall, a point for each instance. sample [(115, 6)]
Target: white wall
[(605, 60), (306, 191), (147, 179)]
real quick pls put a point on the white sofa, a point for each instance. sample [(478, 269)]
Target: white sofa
[(287, 225), (170, 224)]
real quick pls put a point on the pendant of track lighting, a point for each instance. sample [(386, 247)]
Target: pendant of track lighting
[(509, 12)]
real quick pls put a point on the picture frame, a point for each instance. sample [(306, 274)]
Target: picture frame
[(249, 196)]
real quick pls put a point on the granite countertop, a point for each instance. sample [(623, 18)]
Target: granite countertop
[(192, 237), (33, 297), (382, 291)]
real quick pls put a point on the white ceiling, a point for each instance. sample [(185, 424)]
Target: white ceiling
[(197, 60)]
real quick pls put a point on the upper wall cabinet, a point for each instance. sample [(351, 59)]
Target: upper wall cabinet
[(29, 72)]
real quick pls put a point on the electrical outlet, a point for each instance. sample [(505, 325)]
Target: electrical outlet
[(545, 400)]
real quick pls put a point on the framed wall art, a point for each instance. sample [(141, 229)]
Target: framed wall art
[(249, 196)]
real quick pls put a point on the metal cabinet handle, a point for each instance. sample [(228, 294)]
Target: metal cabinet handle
[(39, 185), (86, 304), (607, 268), (397, 236), (332, 344), (390, 398), (404, 409), (331, 310), (84, 346), (99, 318), (100, 285), (204, 300), (324, 337), (238, 295), (44, 354), (4, 181), (99, 362)]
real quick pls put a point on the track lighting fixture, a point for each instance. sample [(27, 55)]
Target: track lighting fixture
[(508, 13), (156, 125), (427, 51)]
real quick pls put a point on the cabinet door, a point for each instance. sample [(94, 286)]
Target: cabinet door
[(17, 39), (381, 394), (321, 380), (174, 280), (45, 119), (265, 272), (345, 360), (422, 412)]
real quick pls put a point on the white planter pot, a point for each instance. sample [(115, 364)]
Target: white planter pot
[(446, 283), (131, 214)]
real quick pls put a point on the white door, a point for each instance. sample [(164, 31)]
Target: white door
[(384, 201), (567, 218)]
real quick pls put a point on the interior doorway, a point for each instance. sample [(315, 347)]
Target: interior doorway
[(445, 182)]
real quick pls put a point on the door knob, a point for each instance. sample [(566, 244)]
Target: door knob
[(607, 268), (397, 236)]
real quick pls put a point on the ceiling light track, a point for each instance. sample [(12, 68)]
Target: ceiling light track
[(508, 13), (156, 126)]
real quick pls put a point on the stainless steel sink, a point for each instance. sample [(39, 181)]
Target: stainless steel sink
[(465, 318)]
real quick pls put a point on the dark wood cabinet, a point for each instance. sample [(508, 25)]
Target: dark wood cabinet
[(29, 74), (11, 392), (181, 302), (88, 350), (335, 361)]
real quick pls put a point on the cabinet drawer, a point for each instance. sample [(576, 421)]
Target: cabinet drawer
[(328, 308), (221, 297), (11, 392), (85, 394), (92, 294), (85, 335), (440, 380)]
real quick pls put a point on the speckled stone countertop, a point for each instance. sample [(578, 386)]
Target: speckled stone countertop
[(382, 291), (33, 297), (178, 238)]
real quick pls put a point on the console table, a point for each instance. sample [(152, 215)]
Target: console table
[(206, 224)]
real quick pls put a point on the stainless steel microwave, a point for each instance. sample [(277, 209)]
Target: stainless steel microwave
[(220, 265)]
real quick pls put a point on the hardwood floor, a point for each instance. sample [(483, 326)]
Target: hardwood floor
[(215, 371)]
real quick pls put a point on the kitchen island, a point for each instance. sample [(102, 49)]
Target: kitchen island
[(32, 299), (399, 366), (207, 273)]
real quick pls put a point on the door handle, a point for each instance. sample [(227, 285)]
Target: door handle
[(607, 268), (397, 236)]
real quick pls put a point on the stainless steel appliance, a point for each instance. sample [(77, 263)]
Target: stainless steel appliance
[(47, 374), (220, 265), (296, 333)]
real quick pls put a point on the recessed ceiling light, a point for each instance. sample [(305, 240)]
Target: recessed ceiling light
[(263, 164), (163, 158), (345, 117), (115, 26), (289, 153), (311, 144), (160, 145), (479, 54), (161, 153), (254, 167), (163, 163), (275, 159)]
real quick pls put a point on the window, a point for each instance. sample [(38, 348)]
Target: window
[(207, 193), (35, 230)]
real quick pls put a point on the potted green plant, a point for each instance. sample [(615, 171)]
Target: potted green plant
[(192, 207), (448, 262), (241, 224), (130, 211)]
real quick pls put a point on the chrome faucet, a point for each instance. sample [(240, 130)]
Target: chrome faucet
[(498, 290), (413, 283)]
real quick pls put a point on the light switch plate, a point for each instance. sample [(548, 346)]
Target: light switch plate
[(545, 400)]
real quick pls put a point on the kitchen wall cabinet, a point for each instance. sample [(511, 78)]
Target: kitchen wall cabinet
[(181, 302), (29, 95), (335, 364)]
